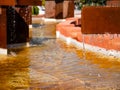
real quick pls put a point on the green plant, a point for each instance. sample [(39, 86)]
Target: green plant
[(43, 2), (35, 10), (92, 3)]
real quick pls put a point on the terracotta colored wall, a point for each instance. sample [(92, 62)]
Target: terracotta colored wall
[(14, 21), (0, 10), (98, 20), (18, 32), (29, 2), (50, 9), (53, 10), (7, 2), (14, 32), (3, 30), (68, 9), (20, 2), (59, 10)]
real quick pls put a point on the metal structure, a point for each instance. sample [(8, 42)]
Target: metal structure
[(59, 9), (100, 20), (15, 18)]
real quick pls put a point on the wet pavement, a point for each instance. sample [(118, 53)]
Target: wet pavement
[(50, 64)]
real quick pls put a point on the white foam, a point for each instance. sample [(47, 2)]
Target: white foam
[(49, 20), (57, 34), (3, 51), (30, 26), (68, 40)]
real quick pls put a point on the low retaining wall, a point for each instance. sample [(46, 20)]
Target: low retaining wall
[(108, 44)]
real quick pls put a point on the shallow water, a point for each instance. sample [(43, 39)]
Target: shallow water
[(55, 66), (50, 64)]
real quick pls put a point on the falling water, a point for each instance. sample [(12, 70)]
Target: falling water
[(84, 51)]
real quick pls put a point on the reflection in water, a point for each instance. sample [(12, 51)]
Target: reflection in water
[(101, 60), (14, 73), (50, 64), (53, 65)]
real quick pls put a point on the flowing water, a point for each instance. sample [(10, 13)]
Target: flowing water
[(51, 64), (83, 41)]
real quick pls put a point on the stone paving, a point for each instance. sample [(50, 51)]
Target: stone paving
[(50, 64)]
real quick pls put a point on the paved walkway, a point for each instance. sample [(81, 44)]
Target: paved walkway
[(49, 64)]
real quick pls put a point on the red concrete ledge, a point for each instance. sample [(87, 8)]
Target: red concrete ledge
[(71, 31), (64, 24), (72, 22), (98, 40), (104, 41), (63, 29), (89, 47)]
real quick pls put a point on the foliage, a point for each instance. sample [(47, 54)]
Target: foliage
[(43, 2), (35, 10), (82, 3)]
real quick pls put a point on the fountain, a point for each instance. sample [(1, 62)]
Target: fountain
[(15, 21), (54, 65), (104, 21), (99, 30)]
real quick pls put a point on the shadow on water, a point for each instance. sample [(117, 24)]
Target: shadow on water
[(37, 25), (38, 41), (52, 66)]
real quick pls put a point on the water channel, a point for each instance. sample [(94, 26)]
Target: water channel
[(51, 64)]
